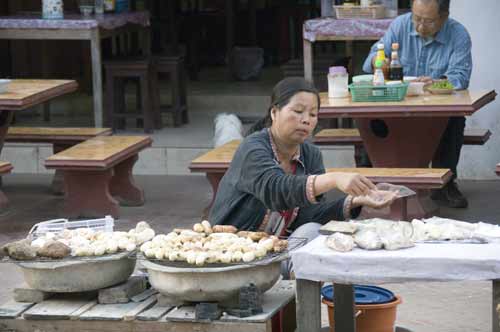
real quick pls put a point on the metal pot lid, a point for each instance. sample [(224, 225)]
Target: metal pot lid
[(364, 294)]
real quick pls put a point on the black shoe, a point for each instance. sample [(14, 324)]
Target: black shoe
[(455, 197), (450, 196)]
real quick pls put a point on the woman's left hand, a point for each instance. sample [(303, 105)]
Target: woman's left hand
[(376, 199)]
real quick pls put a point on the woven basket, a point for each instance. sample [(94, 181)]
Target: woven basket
[(368, 12)]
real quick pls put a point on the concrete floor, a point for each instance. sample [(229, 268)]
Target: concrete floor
[(173, 201)]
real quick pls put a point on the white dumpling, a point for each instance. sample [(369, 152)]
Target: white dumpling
[(226, 258), (248, 256), (236, 256), (201, 258), (131, 246), (141, 225)]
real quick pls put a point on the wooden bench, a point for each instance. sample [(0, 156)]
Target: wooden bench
[(82, 312), (98, 175), (215, 163), (60, 138), (5, 168), (340, 136)]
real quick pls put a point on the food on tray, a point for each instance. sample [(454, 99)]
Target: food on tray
[(80, 242), (54, 249), (224, 229), (442, 85), (340, 242), (20, 250), (207, 245)]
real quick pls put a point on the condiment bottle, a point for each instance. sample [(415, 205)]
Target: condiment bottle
[(395, 68), (378, 77), (338, 80), (381, 56)]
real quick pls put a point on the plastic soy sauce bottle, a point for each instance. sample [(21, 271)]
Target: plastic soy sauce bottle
[(395, 67), (378, 77)]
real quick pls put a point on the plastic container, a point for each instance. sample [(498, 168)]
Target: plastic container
[(105, 224), (52, 9), (391, 8), (380, 93), (99, 7), (4, 85), (377, 308), (338, 82)]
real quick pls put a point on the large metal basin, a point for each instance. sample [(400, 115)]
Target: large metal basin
[(218, 284), (78, 275)]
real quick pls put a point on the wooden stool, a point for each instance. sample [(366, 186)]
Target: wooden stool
[(174, 67), (117, 72)]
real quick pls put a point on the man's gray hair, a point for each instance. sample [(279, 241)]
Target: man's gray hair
[(444, 5)]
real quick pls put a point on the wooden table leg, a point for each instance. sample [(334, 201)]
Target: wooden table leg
[(496, 306), (214, 179), (308, 306), (5, 121), (308, 60), (88, 195), (344, 308), (122, 185), (45, 74), (95, 49), (57, 185)]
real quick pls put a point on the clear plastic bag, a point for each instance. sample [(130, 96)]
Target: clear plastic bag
[(401, 191)]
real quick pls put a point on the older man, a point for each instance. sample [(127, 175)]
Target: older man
[(434, 46)]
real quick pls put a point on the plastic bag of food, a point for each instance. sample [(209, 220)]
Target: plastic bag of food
[(340, 242)]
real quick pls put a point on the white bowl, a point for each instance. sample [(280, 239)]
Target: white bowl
[(4, 84)]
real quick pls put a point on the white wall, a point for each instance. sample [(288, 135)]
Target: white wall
[(481, 20)]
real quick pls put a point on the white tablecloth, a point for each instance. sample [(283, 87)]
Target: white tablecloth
[(425, 262)]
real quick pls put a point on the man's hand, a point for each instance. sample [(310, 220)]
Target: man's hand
[(424, 79), (353, 184), (376, 199)]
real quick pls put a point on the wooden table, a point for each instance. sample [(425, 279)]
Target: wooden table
[(330, 29), (413, 126), (480, 263), (79, 314), (76, 27), (23, 94)]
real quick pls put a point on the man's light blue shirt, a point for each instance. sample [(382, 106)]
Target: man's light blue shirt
[(447, 54)]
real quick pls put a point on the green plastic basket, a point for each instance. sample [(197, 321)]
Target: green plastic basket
[(364, 92)]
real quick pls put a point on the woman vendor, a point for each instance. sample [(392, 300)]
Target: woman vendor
[(277, 179)]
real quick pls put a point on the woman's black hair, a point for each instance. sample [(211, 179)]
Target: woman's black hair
[(282, 93)]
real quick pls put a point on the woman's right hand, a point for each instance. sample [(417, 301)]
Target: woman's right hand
[(353, 184)]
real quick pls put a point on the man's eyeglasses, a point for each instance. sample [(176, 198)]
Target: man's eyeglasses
[(428, 22)]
